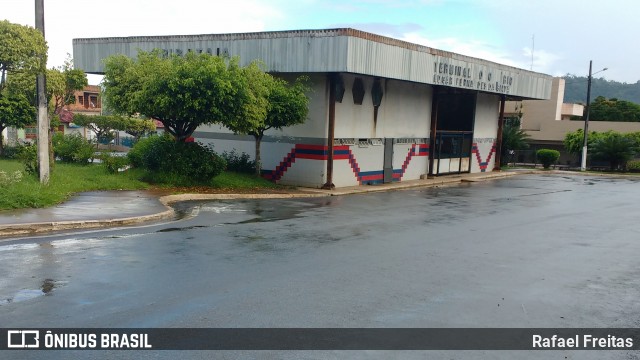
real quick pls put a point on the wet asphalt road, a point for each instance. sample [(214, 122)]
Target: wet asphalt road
[(527, 251)]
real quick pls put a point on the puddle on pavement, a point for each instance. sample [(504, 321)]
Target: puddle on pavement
[(46, 288), (221, 209), (270, 212), (185, 209), (171, 229), (257, 210)]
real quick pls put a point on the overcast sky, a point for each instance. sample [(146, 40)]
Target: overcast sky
[(564, 34)]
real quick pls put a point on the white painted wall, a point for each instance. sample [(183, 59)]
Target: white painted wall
[(485, 132), (417, 163), (305, 172), (355, 121), (405, 110)]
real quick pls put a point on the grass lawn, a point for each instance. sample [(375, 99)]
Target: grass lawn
[(231, 180), (67, 179)]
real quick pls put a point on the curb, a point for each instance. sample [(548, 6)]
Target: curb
[(500, 175), (587, 173), (45, 227), (167, 200), (38, 228)]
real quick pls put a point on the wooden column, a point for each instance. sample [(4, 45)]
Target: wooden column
[(331, 79)]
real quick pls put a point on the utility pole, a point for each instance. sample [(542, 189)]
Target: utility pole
[(583, 166), (43, 119)]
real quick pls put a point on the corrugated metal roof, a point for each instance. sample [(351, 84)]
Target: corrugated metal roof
[(332, 50)]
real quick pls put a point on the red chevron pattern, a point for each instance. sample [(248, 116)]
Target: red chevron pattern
[(485, 164), (354, 166), (405, 164), (343, 152)]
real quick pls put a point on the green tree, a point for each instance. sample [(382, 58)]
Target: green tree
[(615, 148), (574, 141), (62, 83), (603, 109), (635, 137), (102, 125), (273, 104), (67, 81), (138, 127), (22, 48), (15, 111), (181, 92)]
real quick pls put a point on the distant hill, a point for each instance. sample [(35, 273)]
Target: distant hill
[(576, 89)]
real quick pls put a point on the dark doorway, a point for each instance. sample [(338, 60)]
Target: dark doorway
[(454, 133), (388, 160)]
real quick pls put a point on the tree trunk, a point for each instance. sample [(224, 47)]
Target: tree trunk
[(258, 160)]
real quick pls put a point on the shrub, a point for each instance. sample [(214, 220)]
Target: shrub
[(29, 156), (10, 178), (11, 152), (633, 166), (159, 154), (113, 164), (85, 154), (188, 162), (139, 148), (547, 157), (241, 163), (197, 162), (72, 148)]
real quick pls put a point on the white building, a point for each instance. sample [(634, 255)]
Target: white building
[(382, 109)]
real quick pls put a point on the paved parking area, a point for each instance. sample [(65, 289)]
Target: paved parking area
[(527, 251)]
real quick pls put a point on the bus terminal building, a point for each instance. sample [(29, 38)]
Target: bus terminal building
[(381, 109)]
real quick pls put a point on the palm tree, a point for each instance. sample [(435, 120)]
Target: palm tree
[(513, 138), (615, 148)]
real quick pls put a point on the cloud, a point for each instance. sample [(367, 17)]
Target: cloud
[(474, 48), (385, 29), (543, 61), (367, 4), (80, 19)]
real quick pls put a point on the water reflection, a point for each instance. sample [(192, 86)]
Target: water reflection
[(46, 289)]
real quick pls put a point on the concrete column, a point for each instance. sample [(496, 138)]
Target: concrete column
[(43, 119)]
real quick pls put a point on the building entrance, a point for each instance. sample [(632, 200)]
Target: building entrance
[(454, 133)]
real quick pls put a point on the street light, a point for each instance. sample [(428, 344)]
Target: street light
[(583, 166)]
